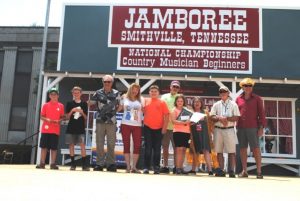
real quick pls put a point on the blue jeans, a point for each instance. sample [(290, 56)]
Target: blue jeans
[(153, 138)]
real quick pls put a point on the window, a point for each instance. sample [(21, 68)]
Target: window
[(279, 137), (18, 118), (21, 89), (51, 60)]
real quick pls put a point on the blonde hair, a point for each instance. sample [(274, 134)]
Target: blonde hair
[(129, 92), (76, 88), (154, 87)]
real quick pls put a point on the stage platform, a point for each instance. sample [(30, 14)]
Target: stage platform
[(24, 182)]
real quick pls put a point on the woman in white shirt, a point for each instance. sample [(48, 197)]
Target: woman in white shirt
[(131, 125)]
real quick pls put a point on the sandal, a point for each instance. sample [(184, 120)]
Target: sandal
[(127, 170), (40, 166), (135, 171), (54, 167), (243, 174)]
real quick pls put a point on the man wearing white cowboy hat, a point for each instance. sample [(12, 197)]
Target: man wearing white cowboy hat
[(250, 125)]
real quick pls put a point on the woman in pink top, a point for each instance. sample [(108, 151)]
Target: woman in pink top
[(181, 131)]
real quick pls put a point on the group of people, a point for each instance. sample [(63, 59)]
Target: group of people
[(52, 114), (161, 120)]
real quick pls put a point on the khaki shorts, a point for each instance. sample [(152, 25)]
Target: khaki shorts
[(248, 136), (74, 139), (225, 140)]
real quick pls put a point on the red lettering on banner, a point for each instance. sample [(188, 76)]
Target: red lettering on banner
[(195, 60)]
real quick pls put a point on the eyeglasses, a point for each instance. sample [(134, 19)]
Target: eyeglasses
[(106, 82), (222, 91), (176, 87), (247, 85)]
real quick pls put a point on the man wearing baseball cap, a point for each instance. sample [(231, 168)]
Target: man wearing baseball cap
[(250, 125), (169, 98), (225, 113)]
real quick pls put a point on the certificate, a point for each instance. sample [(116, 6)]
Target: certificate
[(184, 115), (197, 116)]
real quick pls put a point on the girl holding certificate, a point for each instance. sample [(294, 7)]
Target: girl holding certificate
[(200, 137), (180, 117)]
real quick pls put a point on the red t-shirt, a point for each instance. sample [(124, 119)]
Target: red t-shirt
[(53, 111), (252, 112), (154, 112)]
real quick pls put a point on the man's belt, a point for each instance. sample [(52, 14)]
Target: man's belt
[(224, 127)]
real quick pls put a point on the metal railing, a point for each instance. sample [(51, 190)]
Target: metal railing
[(25, 139), (7, 155)]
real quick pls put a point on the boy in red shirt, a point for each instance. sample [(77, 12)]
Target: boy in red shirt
[(156, 118), (52, 114)]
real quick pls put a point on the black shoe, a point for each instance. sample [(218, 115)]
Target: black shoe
[(54, 167), (191, 172), (210, 173), (40, 166), (164, 170), (156, 170), (146, 171), (259, 176), (179, 171), (85, 164), (85, 168), (112, 168), (98, 168), (185, 172), (231, 174), (174, 170), (73, 167), (220, 173)]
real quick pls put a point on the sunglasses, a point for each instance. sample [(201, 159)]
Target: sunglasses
[(176, 87), (247, 85), (222, 91), (106, 82)]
